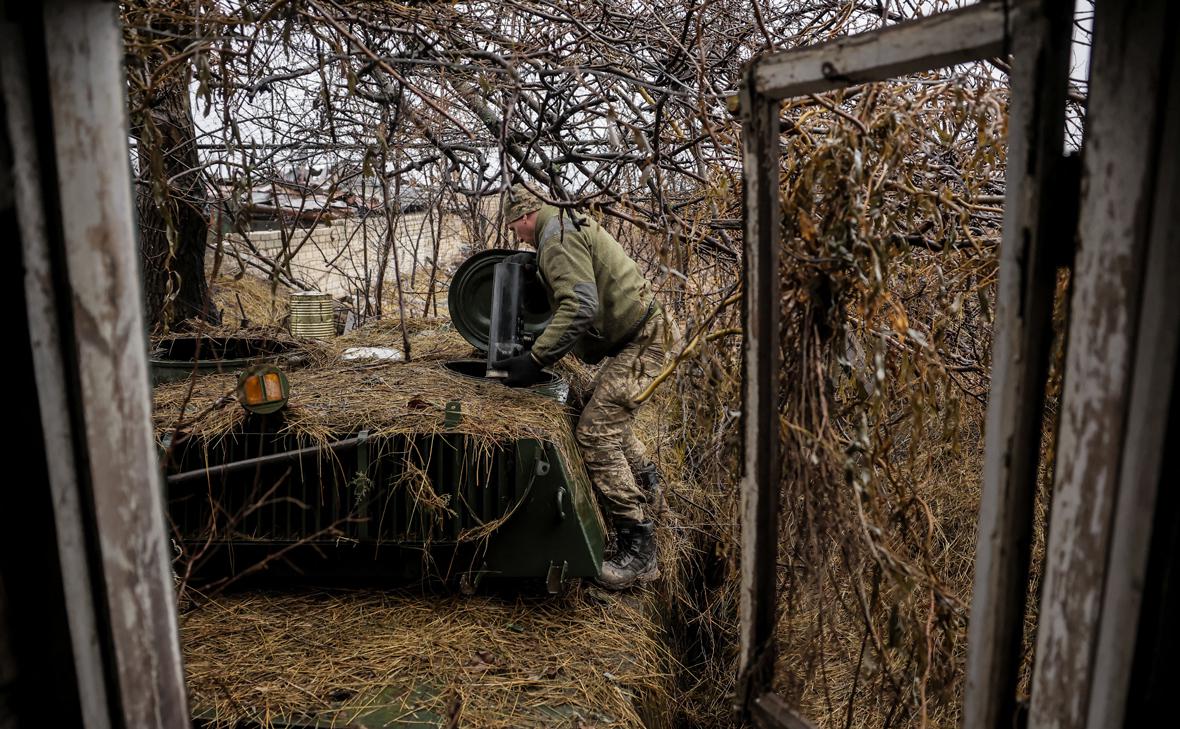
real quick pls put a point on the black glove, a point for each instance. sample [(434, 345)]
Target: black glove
[(522, 370), (528, 259)]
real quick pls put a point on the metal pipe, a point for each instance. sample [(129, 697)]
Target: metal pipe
[(504, 329), (265, 460)]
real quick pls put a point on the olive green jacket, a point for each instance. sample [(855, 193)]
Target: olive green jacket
[(598, 295)]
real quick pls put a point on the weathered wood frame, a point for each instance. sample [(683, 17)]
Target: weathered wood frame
[(1120, 368), (1037, 33), (73, 196)]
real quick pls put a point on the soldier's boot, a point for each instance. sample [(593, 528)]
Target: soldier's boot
[(635, 558), (651, 482)]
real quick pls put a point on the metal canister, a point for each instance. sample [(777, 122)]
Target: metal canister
[(312, 315)]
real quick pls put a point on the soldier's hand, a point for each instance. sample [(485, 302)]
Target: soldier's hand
[(522, 370), (527, 259)]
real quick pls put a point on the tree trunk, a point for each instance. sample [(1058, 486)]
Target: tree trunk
[(170, 200)]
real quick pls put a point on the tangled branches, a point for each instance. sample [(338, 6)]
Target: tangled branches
[(890, 242), (616, 106)]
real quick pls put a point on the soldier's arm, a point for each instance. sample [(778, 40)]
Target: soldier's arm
[(566, 264)]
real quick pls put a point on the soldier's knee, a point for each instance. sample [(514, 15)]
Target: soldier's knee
[(584, 433)]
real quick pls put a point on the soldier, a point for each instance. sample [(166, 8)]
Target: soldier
[(603, 307)]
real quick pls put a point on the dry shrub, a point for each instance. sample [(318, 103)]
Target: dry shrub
[(890, 226), (261, 303), (889, 266)]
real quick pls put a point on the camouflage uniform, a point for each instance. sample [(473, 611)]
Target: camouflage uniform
[(603, 307), (609, 446)]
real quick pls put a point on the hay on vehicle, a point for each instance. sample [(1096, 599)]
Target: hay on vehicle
[(384, 398), (363, 658)]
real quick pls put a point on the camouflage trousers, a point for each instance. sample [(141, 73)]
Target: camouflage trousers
[(609, 447)]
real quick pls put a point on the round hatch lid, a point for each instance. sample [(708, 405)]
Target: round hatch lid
[(469, 299)]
